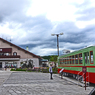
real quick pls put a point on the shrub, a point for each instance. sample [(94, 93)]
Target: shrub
[(18, 69), (13, 69)]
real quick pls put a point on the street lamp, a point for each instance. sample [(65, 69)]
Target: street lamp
[(57, 41)]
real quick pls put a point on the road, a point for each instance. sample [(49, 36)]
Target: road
[(33, 83)]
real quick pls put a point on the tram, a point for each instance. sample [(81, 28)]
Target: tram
[(74, 63)]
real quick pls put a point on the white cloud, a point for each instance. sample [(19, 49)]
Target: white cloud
[(55, 10), (39, 50), (83, 24), (32, 23)]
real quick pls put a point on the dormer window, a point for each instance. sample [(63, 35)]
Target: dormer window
[(15, 53)]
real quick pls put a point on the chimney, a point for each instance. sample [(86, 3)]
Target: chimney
[(27, 48)]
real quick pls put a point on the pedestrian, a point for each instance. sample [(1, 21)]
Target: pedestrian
[(61, 72), (51, 71)]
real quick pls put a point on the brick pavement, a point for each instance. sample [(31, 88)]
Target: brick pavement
[(30, 83)]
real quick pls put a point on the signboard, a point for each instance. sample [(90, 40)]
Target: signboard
[(5, 50), (84, 69)]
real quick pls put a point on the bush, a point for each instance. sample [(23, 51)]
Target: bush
[(44, 70), (13, 69), (18, 69)]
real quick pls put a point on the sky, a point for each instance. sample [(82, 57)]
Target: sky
[(31, 23)]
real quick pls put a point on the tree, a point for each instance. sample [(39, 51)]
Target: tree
[(54, 59)]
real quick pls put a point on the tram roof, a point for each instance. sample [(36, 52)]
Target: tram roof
[(90, 48)]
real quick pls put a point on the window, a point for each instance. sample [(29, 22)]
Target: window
[(61, 61), (91, 57), (67, 60), (6, 54), (80, 58), (15, 53), (1, 54), (11, 64), (76, 59), (73, 59), (70, 59), (86, 57)]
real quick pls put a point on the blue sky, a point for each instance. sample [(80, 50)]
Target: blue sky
[(31, 23)]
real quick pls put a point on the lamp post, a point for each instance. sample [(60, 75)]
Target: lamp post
[(57, 41)]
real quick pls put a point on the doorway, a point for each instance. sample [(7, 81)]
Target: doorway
[(0, 64)]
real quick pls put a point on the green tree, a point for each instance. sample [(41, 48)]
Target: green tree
[(54, 59)]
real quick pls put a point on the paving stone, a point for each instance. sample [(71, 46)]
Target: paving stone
[(30, 83)]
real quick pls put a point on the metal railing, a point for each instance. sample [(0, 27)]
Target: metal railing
[(82, 76)]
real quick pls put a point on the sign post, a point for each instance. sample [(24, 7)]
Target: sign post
[(84, 70)]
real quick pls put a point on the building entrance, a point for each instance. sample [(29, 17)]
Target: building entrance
[(0, 64)]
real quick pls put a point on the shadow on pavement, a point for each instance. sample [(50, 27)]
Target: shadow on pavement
[(92, 92)]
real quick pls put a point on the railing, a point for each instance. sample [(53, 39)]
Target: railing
[(10, 56), (82, 76)]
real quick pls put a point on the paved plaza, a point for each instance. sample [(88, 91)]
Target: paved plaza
[(32, 83)]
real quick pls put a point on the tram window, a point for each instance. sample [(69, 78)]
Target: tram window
[(91, 57), (86, 57), (76, 59), (60, 61), (73, 59), (70, 60), (63, 61), (67, 60), (80, 58)]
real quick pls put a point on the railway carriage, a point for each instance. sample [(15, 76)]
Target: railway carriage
[(73, 64)]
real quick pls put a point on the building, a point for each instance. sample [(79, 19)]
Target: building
[(45, 63), (12, 55)]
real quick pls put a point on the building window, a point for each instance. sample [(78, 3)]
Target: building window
[(11, 64), (1, 54), (15, 53), (6, 54)]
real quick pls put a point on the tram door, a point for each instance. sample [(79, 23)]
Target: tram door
[(87, 62), (0, 65)]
